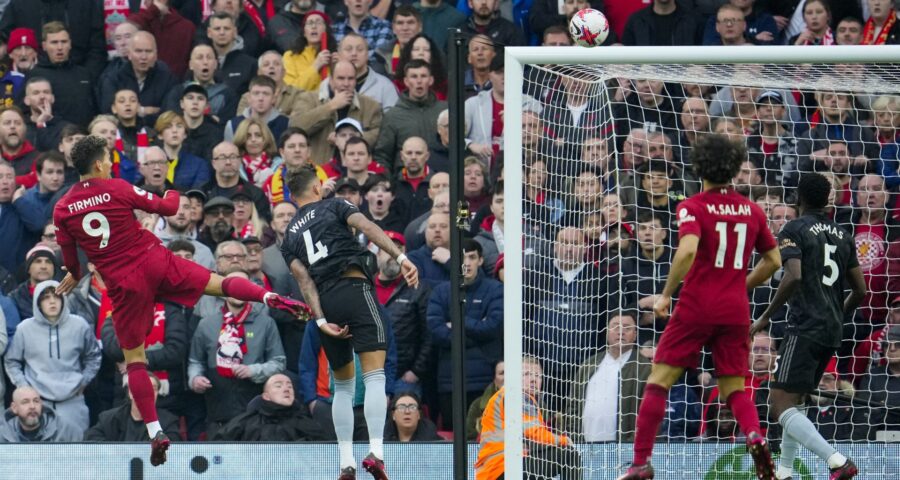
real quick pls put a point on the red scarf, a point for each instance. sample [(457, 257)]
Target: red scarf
[(827, 39), (246, 231), (232, 343), (155, 340), (869, 31), (253, 165), (253, 13)]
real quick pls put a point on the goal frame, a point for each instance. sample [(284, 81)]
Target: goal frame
[(516, 58)]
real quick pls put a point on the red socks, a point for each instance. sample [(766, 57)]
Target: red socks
[(650, 415), (243, 289), (744, 412), (142, 390)]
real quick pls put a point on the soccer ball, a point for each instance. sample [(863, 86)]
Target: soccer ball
[(588, 28)]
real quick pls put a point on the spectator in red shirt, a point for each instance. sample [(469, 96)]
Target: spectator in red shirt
[(870, 352)]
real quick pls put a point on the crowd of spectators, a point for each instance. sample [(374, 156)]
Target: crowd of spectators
[(223, 99)]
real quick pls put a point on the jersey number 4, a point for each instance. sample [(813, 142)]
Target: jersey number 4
[(101, 231), (741, 230), (314, 252)]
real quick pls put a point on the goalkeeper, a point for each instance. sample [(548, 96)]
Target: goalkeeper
[(546, 453)]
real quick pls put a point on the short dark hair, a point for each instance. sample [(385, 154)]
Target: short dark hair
[(717, 159), (290, 132), (850, 18), (300, 180), (624, 313), (377, 178), (416, 63), (181, 245), (555, 30), (470, 245), (262, 81), (88, 151), (405, 393), (407, 11), (498, 189), (356, 141), (766, 191), (71, 129), (51, 156), (37, 79), (222, 16), (650, 216), (813, 190)]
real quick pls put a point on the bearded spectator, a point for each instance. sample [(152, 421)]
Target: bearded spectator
[(218, 215), (28, 420), (15, 147)]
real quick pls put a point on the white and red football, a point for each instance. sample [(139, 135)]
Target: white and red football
[(588, 28)]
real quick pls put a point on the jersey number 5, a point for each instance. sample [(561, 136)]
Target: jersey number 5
[(314, 252), (101, 231), (832, 266), (741, 230)]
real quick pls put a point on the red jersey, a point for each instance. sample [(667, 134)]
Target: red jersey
[(98, 216), (729, 227)]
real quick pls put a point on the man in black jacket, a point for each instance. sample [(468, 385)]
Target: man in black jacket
[(408, 309), (274, 416), (143, 74), (83, 18), (664, 23), (236, 67), (501, 31), (43, 128), (70, 82), (125, 424)]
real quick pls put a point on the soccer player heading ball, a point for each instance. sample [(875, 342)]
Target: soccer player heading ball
[(718, 230), (97, 215), (335, 275), (819, 257)]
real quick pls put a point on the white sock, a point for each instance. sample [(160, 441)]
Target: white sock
[(342, 415), (375, 410), (836, 460), (783, 472), (153, 428)]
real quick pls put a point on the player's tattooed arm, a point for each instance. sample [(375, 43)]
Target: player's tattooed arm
[(378, 237), (307, 287)]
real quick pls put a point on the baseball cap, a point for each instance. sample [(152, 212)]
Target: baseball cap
[(196, 194), (216, 202), (346, 183), (21, 37), (348, 121), (194, 87), (396, 236), (770, 96), (241, 192), (251, 240)]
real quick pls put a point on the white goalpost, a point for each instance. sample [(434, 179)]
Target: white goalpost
[(596, 155)]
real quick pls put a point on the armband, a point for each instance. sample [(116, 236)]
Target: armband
[(401, 258), (321, 321)]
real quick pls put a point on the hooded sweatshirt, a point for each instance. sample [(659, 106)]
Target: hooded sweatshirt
[(52, 429), (58, 358)]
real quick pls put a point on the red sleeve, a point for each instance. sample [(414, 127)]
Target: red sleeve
[(148, 202), (765, 241), (145, 17), (70, 259), (688, 224)]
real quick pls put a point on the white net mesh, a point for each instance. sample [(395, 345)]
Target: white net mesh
[(606, 161)]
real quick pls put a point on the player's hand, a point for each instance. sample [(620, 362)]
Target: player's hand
[(335, 331), (241, 371), (67, 284), (410, 273), (661, 307), (765, 36), (759, 325), (200, 384)]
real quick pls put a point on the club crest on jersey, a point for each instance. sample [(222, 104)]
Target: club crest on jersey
[(870, 250), (684, 216), (141, 192)]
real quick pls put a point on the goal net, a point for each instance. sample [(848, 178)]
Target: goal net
[(598, 156)]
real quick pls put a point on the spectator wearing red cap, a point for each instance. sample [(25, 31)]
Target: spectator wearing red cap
[(307, 61), (83, 18), (22, 48)]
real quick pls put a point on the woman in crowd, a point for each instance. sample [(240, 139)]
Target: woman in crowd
[(306, 63), (407, 423), (817, 15), (258, 151), (423, 48), (246, 221)]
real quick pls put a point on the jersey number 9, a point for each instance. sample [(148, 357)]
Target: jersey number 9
[(101, 231)]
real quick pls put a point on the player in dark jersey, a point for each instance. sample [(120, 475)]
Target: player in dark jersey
[(97, 215), (335, 274), (718, 229), (819, 260)]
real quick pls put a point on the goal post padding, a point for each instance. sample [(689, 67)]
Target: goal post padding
[(797, 73)]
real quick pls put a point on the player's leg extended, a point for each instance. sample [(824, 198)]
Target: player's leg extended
[(802, 431), (243, 289), (650, 415), (145, 400), (342, 412), (375, 409), (731, 387)]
